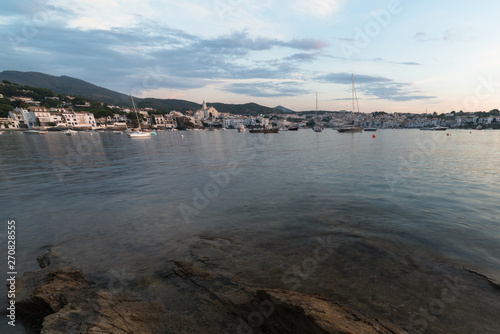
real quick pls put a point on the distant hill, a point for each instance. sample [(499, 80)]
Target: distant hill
[(167, 105), (77, 87), (66, 85), (285, 110), (249, 109)]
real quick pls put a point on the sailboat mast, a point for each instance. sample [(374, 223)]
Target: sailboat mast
[(352, 79), (316, 104), (136, 113)]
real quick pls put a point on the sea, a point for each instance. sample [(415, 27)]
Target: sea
[(409, 212)]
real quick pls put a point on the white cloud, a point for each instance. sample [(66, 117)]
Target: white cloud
[(318, 7), (104, 15)]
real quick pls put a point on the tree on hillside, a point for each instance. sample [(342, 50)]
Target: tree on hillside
[(5, 108), (103, 112), (51, 103)]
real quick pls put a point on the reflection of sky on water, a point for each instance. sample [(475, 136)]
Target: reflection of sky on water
[(120, 196)]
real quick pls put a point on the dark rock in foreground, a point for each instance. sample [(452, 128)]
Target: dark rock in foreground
[(59, 298), (299, 313)]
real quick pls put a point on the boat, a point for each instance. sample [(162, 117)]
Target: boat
[(242, 128), (351, 128), (70, 132), (35, 132), (479, 127), (317, 128), (370, 129), (118, 132), (265, 131), (440, 128), (2, 132), (293, 128), (139, 133)]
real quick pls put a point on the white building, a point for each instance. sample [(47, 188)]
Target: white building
[(8, 123), (85, 119), (234, 122), (158, 121), (43, 115), (58, 119), (205, 112), (24, 117), (70, 119), (170, 122)]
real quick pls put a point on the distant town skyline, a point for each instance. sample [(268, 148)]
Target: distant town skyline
[(405, 56)]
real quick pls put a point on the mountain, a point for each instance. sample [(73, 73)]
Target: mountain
[(284, 110), (76, 87), (66, 85), (248, 109)]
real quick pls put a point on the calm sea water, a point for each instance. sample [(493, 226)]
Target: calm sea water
[(108, 201)]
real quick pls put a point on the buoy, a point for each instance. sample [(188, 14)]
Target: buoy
[(374, 136), (447, 134)]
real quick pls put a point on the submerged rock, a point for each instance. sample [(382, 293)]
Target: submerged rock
[(59, 298), (296, 312), (277, 310)]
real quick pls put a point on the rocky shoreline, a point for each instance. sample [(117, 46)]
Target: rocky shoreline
[(60, 298)]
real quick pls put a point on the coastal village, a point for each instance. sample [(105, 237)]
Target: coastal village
[(59, 112)]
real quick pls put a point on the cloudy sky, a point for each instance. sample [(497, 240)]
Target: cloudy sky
[(406, 56)]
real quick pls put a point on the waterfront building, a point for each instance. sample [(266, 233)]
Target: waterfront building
[(85, 119), (8, 123), (57, 119), (205, 112), (69, 118), (158, 121), (25, 118), (43, 116), (170, 122)]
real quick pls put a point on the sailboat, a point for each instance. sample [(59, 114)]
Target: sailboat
[(352, 128), (70, 132), (139, 133), (317, 128)]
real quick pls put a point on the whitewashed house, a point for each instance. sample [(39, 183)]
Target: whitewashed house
[(85, 119), (70, 119), (25, 118), (8, 123)]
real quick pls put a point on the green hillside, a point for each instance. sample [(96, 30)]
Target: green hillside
[(77, 87)]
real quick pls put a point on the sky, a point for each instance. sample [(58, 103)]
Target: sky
[(405, 56)]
